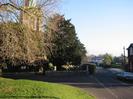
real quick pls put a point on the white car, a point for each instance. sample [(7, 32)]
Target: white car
[(125, 75)]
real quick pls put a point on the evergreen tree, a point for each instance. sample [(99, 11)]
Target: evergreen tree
[(67, 47)]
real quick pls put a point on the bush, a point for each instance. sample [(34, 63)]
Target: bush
[(2, 65), (92, 68), (116, 66), (111, 66), (51, 66), (105, 66)]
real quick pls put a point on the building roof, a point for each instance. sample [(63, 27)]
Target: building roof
[(131, 45)]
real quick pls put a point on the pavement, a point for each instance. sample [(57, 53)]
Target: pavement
[(103, 85)]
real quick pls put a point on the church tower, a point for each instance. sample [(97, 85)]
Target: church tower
[(26, 3), (31, 16)]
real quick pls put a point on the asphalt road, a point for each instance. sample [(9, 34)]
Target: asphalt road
[(109, 87), (103, 85)]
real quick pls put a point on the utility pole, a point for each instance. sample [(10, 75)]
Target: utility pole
[(124, 56)]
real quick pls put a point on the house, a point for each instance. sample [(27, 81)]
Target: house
[(97, 59), (130, 58)]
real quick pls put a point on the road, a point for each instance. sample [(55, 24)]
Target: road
[(108, 87), (103, 85)]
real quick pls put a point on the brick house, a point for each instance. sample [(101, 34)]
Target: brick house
[(130, 58)]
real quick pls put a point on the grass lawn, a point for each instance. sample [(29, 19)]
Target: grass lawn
[(23, 89)]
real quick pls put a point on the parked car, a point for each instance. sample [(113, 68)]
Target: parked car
[(125, 76)]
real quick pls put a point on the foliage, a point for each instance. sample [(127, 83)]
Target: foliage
[(51, 66), (68, 66), (116, 66), (66, 45), (120, 60), (20, 45), (107, 59), (10, 10), (34, 89)]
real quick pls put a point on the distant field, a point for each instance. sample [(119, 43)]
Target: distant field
[(21, 89)]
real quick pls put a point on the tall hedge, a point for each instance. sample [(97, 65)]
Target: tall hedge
[(19, 44)]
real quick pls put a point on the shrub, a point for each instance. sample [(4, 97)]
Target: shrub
[(106, 66), (51, 66), (116, 66)]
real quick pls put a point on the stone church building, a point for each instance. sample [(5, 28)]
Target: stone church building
[(31, 15), (28, 12)]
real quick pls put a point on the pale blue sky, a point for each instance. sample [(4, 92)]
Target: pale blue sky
[(104, 26)]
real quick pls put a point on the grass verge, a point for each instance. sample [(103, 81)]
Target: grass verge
[(23, 89)]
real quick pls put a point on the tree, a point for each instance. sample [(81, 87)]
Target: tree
[(66, 48), (19, 44), (117, 60), (120, 60), (107, 59), (15, 10)]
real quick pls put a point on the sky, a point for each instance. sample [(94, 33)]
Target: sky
[(103, 26)]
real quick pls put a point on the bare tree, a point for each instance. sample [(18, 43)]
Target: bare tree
[(15, 39), (12, 8)]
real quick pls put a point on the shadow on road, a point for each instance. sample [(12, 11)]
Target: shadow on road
[(77, 79), (25, 97)]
